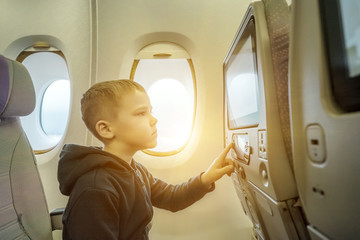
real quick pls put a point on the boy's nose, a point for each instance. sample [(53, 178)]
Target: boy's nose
[(153, 120)]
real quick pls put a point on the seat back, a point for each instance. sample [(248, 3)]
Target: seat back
[(23, 209), (325, 115)]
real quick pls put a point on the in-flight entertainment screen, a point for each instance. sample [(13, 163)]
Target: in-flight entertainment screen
[(241, 81)]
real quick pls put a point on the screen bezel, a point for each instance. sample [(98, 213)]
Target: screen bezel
[(345, 89), (235, 43)]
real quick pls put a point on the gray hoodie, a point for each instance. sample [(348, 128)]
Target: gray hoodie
[(111, 199)]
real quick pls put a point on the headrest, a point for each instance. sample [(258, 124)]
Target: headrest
[(17, 94)]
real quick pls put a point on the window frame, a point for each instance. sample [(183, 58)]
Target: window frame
[(20, 58)]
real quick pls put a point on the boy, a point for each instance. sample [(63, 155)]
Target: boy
[(111, 195)]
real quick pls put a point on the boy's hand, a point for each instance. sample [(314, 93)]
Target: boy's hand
[(219, 167)]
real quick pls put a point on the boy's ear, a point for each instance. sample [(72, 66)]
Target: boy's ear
[(103, 128)]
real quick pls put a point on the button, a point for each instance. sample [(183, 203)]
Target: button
[(264, 174)]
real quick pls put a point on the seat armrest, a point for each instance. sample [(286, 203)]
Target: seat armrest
[(56, 218)]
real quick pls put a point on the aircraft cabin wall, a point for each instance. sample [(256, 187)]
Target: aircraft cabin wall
[(100, 40)]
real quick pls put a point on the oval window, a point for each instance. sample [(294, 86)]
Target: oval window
[(46, 125), (55, 109), (166, 72)]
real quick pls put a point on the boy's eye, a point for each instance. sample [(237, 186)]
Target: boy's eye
[(141, 113)]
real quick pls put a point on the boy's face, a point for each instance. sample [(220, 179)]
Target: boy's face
[(135, 127)]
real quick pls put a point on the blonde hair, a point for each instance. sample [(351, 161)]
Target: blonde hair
[(99, 101)]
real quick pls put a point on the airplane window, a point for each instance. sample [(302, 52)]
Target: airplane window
[(170, 86), (55, 108), (46, 125)]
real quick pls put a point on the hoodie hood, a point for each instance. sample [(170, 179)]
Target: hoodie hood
[(77, 160)]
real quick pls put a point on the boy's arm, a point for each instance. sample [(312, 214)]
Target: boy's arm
[(177, 197), (180, 196)]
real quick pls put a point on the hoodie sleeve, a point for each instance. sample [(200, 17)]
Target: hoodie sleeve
[(176, 197), (94, 216)]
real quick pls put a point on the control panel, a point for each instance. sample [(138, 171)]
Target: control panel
[(242, 149)]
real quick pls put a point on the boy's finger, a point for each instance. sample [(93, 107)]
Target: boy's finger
[(226, 150), (227, 170), (227, 161)]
